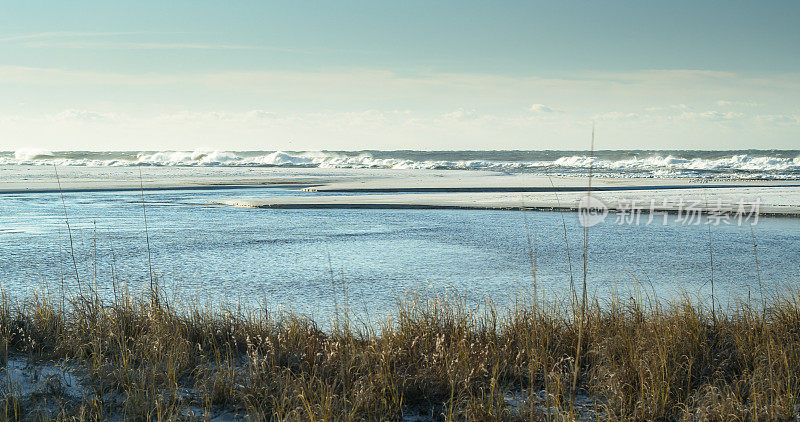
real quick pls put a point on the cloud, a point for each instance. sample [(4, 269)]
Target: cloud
[(671, 107), (73, 115), (668, 75), (185, 116), (617, 116), (657, 115), (260, 114), (541, 108), (460, 115), (779, 119), (354, 108), (87, 40), (714, 116), (64, 34), (116, 45), (726, 103), (462, 128), (381, 83)]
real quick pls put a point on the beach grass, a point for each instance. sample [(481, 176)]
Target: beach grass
[(144, 358)]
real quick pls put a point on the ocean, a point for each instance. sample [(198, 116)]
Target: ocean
[(756, 164)]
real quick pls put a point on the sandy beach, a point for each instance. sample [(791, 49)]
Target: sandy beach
[(21, 179)]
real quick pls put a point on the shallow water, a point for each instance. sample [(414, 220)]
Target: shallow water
[(220, 255)]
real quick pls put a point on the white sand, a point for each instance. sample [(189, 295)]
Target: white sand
[(771, 200), (489, 190), (480, 180)]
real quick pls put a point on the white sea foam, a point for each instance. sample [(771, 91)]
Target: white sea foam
[(653, 164), (27, 154), (183, 158)]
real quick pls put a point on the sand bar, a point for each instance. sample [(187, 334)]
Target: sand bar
[(784, 201), (489, 190), (503, 182)]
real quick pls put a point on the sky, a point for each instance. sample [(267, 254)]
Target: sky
[(432, 75)]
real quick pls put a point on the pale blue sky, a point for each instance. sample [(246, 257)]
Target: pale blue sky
[(386, 75)]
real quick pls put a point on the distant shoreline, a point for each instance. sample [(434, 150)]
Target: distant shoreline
[(455, 189)]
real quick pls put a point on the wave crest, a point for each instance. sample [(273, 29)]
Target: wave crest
[(28, 154), (650, 164)]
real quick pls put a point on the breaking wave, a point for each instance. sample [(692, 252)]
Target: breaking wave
[(740, 164), (28, 154)]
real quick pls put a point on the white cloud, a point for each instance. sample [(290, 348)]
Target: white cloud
[(671, 107), (83, 116), (460, 115), (118, 45), (63, 34), (541, 108), (779, 119), (186, 116), (374, 108), (726, 103), (459, 129), (260, 114), (88, 40), (713, 115)]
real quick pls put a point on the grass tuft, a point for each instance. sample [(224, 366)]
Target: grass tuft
[(142, 358)]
